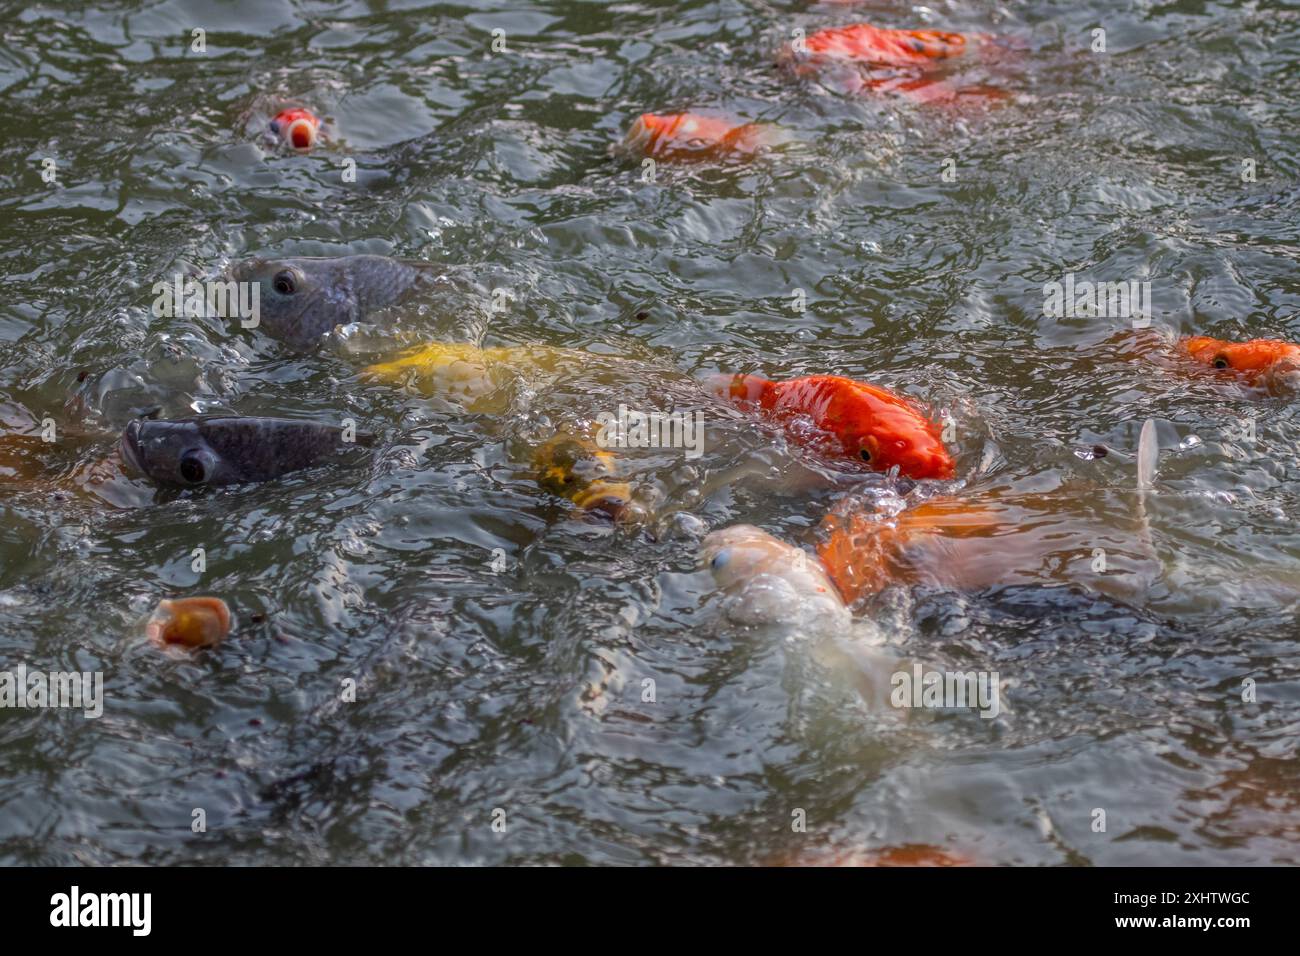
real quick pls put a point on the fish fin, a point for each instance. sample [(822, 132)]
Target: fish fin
[(1148, 460), (1148, 455)]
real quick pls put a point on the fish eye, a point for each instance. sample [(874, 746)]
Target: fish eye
[(285, 282), (720, 559), (866, 455), (1220, 361), (192, 468)]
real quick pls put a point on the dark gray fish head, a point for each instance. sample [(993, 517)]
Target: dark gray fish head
[(301, 299), (202, 451)]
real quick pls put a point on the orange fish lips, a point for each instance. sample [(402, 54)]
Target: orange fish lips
[(686, 136), (297, 127), (849, 420), (1256, 358)]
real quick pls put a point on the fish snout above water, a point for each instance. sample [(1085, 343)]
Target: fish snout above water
[(1263, 361), (297, 127), (202, 451), (772, 580), (301, 299)]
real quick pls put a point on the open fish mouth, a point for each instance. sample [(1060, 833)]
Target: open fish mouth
[(128, 447)]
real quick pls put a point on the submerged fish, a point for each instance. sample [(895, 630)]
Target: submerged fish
[(477, 378), (301, 299), (864, 43), (686, 136), (891, 61), (992, 539), (570, 464), (576, 468), (220, 450), (850, 420), (297, 127), (1265, 363)]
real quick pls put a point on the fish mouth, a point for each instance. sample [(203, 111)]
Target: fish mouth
[(611, 499), (129, 448)]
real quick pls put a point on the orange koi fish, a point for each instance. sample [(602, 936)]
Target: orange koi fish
[(849, 420), (1255, 358), (686, 136), (1258, 362), (864, 43), (991, 540), (891, 61)]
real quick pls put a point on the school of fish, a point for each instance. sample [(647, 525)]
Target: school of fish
[(946, 535)]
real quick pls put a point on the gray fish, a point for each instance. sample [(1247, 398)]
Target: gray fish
[(226, 450), (303, 298)]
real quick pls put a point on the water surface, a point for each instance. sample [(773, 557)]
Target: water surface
[(522, 689)]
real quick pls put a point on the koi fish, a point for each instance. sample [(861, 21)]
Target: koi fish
[(772, 581), (846, 419), (995, 539), (576, 468), (890, 61), (1257, 362), (297, 127), (687, 136), (189, 622), (476, 378), (1256, 359), (223, 450), (863, 43)]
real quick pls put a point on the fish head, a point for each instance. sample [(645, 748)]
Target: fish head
[(576, 468), (173, 453), (224, 450), (770, 579), (871, 425), (297, 127), (1269, 360), (300, 299), (189, 622)]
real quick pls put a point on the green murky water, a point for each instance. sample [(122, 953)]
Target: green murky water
[(522, 689)]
